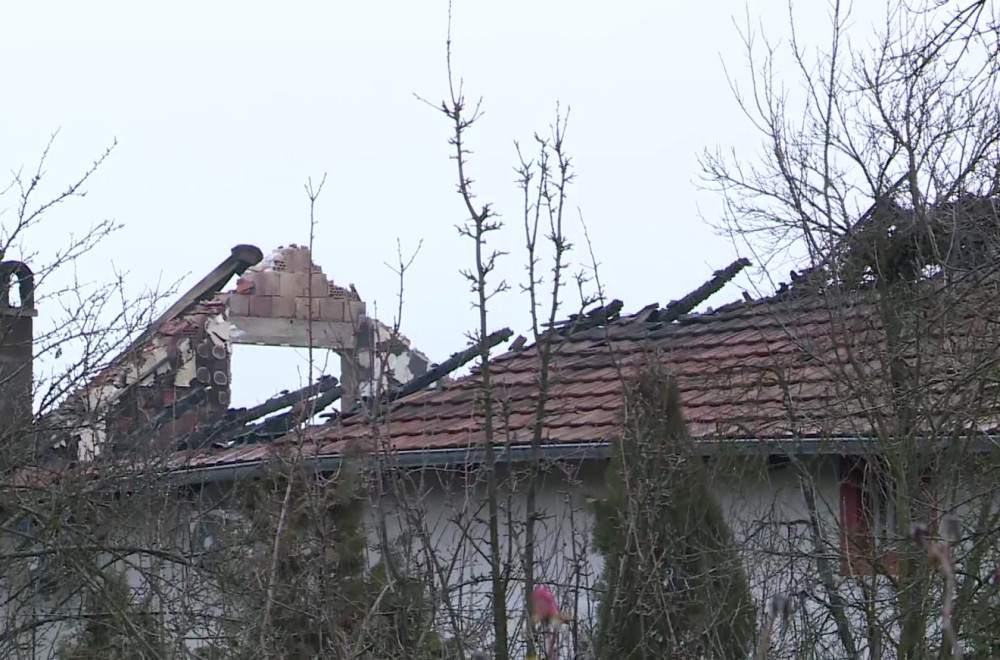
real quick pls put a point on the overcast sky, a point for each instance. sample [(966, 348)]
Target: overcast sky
[(222, 111)]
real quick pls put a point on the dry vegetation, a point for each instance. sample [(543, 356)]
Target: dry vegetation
[(883, 172)]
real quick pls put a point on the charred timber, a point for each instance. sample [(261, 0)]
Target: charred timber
[(456, 361), (678, 308)]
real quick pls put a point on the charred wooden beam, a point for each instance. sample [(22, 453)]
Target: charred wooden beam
[(305, 410), (236, 419), (276, 403), (592, 319), (677, 308), (241, 257), (456, 361), (282, 424)]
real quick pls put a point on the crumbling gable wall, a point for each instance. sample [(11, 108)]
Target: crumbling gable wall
[(177, 379), (287, 300), (288, 285), (382, 360), (185, 355)]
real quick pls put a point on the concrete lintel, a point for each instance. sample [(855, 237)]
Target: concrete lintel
[(293, 332)]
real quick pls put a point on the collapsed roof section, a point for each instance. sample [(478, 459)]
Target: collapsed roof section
[(590, 352), (286, 300), (171, 386)]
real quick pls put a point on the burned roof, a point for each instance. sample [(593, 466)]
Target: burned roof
[(806, 364), (723, 360), (780, 368)]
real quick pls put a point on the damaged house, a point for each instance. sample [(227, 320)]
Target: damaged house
[(798, 389), (173, 380)]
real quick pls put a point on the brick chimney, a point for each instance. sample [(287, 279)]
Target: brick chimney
[(17, 311)]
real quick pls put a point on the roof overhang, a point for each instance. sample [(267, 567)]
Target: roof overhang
[(581, 451)]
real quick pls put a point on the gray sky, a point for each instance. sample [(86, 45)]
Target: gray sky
[(222, 111)]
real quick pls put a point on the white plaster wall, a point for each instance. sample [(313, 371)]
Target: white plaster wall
[(766, 511), (438, 520), (451, 513)]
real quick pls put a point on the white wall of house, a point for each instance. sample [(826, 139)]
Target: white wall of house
[(765, 507), (438, 520)]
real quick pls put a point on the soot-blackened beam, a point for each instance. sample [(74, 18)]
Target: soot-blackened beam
[(592, 319), (236, 420), (456, 361), (678, 308), (284, 423), (274, 404), (241, 257)]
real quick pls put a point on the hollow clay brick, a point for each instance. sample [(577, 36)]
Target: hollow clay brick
[(260, 306), (320, 286), (332, 310), (267, 283), (239, 305), (302, 309), (283, 307), (298, 260), (293, 285), (353, 310)]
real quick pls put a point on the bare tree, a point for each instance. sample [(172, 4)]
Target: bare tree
[(545, 198), (879, 181), (480, 224), (56, 546)]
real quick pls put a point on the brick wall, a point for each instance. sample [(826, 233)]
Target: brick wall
[(288, 285)]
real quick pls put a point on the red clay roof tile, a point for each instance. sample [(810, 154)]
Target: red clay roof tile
[(734, 366), (726, 363)]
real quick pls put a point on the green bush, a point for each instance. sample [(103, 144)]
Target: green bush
[(673, 585)]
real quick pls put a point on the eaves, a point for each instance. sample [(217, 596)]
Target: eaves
[(519, 454)]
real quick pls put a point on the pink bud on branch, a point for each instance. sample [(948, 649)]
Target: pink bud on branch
[(545, 610)]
